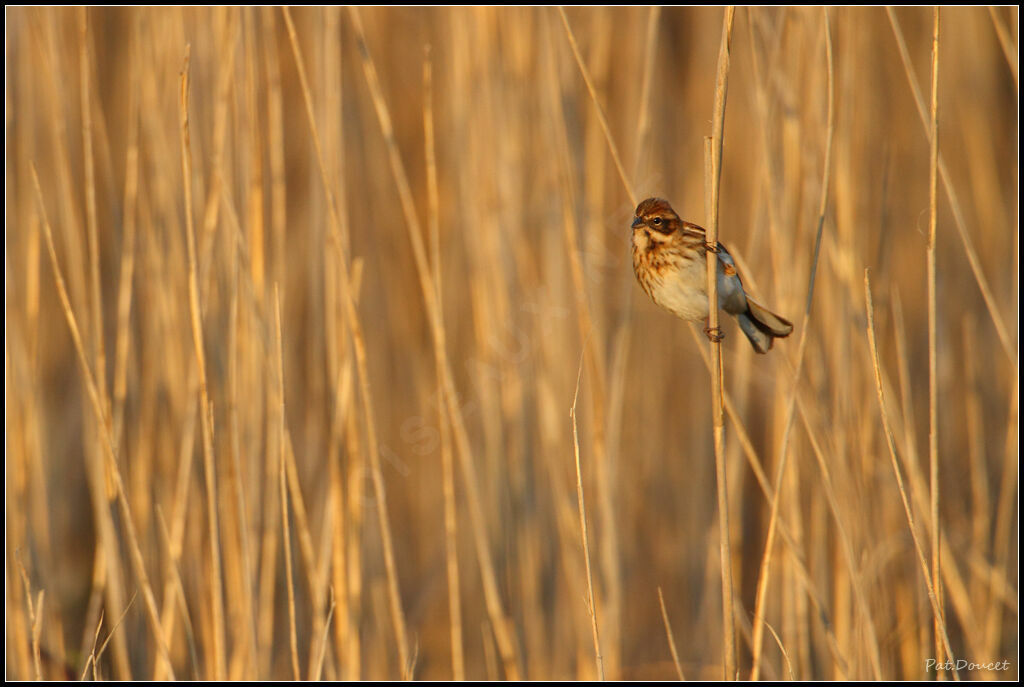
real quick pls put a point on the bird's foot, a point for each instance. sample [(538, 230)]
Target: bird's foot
[(714, 334)]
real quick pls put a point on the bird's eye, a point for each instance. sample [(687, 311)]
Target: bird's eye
[(656, 221)]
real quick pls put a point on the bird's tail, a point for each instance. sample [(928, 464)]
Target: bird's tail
[(762, 326)]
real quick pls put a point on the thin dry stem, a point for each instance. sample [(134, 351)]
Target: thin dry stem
[(591, 605), (91, 660), (643, 126), (236, 476), (918, 546), (713, 157), (954, 202), (205, 410), (319, 665), (765, 572), (35, 618), (1006, 43), (293, 641), (298, 504), (124, 296), (671, 637), (590, 336), (103, 647), (176, 534), (612, 148), (108, 443), (766, 488), (177, 588), (96, 294), (846, 545), (447, 464), (782, 650), (500, 622), (359, 348), (933, 357)]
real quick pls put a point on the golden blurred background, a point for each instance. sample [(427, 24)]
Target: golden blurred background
[(426, 300)]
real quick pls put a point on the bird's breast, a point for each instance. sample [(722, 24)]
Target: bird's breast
[(682, 289), (677, 280), (674, 279)]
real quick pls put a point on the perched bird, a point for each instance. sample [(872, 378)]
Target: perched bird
[(670, 264)]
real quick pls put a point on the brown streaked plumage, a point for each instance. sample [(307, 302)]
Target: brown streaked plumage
[(669, 263)]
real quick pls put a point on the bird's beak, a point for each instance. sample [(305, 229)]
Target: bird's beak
[(637, 222)]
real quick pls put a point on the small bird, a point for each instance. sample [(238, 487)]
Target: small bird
[(669, 263)]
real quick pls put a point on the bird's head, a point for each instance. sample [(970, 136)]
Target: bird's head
[(657, 216)]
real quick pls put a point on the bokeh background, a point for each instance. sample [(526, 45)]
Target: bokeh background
[(524, 221)]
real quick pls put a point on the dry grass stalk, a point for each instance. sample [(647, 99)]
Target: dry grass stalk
[(359, 348), (918, 545), (782, 650), (500, 623), (582, 507), (35, 618), (319, 665), (92, 230), (764, 574), (933, 355), (612, 148), (713, 164), (671, 638), (643, 118), (954, 201), (90, 662), (293, 641), (127, 272), (94, 396), (177, 590), (205, 410), (768, 491), (589, 335), (447, 463), (1006, 43), (95, 655)]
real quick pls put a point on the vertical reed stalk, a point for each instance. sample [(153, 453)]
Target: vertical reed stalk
[(591, 606), (612, 148), (890, 440), (501, 624), (359, 348), (954, 200), (447, 464), (96, 294), (124, 295), (713, 157), (293, 643), (764, 575), (933, 373), (104, 520), (205, 410)]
